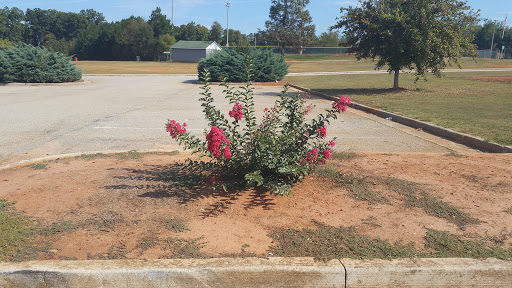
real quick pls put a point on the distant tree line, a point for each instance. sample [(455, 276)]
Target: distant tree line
[(88, 36)]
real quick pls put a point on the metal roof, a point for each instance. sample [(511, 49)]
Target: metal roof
[(182, 44)]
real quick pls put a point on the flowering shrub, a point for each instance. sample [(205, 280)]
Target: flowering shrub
[(274, 154)]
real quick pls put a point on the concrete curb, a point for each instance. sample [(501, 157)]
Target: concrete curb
[(464, 139), (69, 155), (259, 272)]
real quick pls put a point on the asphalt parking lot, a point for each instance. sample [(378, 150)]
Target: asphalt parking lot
[(120, 113)]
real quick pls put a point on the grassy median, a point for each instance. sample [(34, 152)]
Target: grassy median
[(475, 103)]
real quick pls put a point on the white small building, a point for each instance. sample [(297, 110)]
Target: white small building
[(193, 51)]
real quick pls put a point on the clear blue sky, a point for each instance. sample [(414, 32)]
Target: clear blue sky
[(244, 15)]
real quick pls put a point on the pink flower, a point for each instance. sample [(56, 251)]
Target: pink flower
[(215, 139), (226, 152), (308, 108), (327, 154), (332, 144), (322, 131), (341, 104), (175, 129), (265, 110), (237, 111), (312, 155)]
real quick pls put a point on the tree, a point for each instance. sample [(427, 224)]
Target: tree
[(329, 39), (40, 23), (139, 38), (92, 16), (216, 32), (290, 24), (236, 39), (192, 32), (12, 27), (159, 22), (419, 35)]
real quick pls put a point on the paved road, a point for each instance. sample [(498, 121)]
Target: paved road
[(119, 113)]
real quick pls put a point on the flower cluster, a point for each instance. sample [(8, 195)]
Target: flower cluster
[(175, 129), (327, 154), (215, 140), (322, 132), (237, 112), (341, 104), (312, 155)]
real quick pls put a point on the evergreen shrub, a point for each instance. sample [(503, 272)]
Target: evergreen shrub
[(231, 64), (28, 64)]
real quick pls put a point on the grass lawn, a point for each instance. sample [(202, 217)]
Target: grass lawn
[(459, 101), (299, 63), (134, 67), (329, 63)]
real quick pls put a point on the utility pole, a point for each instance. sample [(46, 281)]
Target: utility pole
[(172, 13), (492, 41), (227, 29)]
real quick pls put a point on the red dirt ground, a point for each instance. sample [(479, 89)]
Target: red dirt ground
[(128, 200)]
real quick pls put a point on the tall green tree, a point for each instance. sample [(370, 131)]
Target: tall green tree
[(12, 25), (40, 22), (236, 38), (420, 35), (92, 16), (290, 24), (329, 39), (159, 23), (216, 32), (192, 32), (138, 37)]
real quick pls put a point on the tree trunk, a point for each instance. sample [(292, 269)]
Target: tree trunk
[(395, 83)]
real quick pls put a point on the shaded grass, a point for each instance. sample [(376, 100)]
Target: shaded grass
[(456, 101), (417, 197), (358, 186)]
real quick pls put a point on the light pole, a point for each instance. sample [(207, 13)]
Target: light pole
[(492, 41), (227, 30)]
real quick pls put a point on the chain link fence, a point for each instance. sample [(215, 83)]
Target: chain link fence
[(494, 54)]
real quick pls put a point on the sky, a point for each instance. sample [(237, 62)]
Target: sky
[(244, 15)]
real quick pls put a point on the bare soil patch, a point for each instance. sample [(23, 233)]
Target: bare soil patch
[(499, 79), (142, 207)]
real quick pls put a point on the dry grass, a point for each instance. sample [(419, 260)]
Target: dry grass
[(133, 67), (299, 63)]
